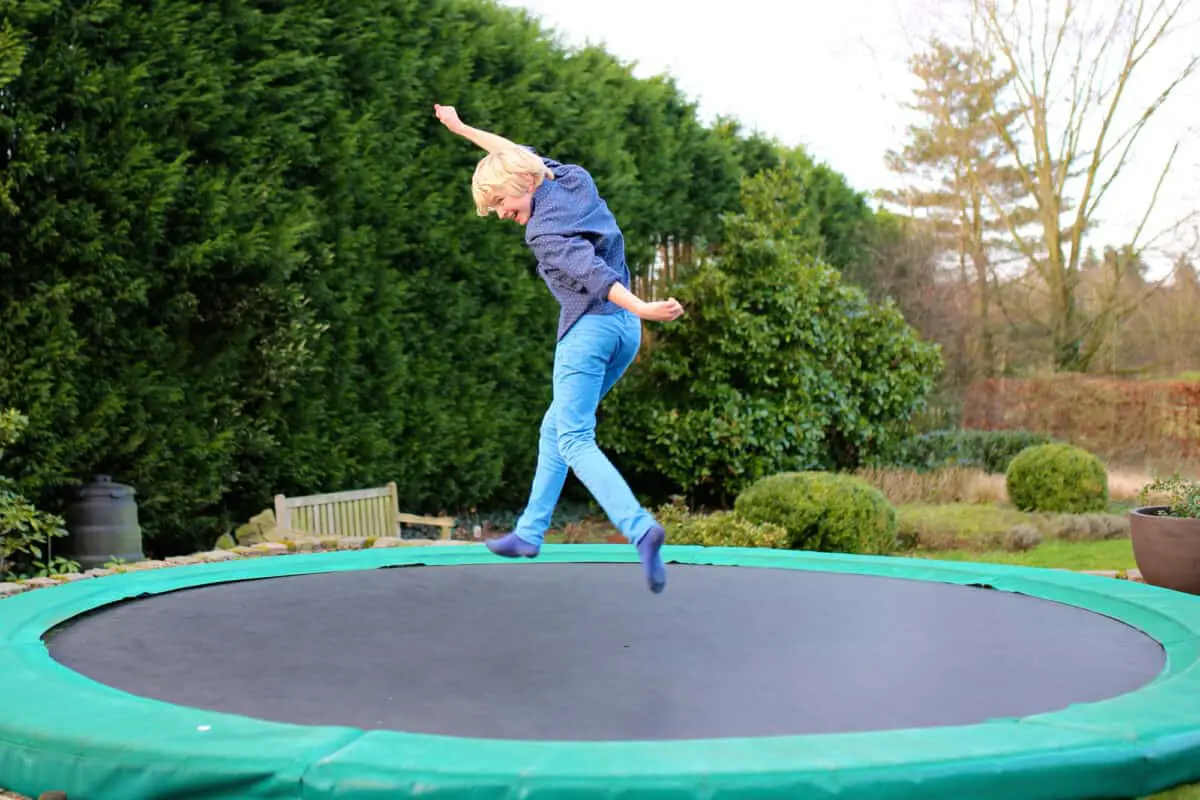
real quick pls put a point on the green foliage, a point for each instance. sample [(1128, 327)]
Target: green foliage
[(813, 204), (1057, 478), (777, 366), (240, 256), (1182, 496), (718, 529), (991, 451), (12, 53), (26, 534), (823, 511), (12, 425)]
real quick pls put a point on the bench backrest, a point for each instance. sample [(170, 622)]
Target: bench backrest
[(366, 513)]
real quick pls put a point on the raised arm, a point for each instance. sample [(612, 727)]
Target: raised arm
[(488, 141)]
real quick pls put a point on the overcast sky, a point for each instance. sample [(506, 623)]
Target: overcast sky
[(833, 77)]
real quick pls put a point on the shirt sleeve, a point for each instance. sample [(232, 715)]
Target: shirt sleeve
[(571, 262)]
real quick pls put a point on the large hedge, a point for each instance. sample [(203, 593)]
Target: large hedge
[(239, 257)]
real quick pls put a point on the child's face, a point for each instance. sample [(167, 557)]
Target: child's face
[(517, 208)]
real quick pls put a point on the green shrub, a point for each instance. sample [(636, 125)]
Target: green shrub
[(823, 511), (990, 451), (26, 533), (1057, 478), (719, 529), (779, 365)]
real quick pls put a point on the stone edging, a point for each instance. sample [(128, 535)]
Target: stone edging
[(325, 545)]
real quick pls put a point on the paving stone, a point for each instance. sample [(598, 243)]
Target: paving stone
[(100, 572), (270, 548), (1103, 573), (40, 583), (12, 589), (212, 556), (140, 566), (351, 543), (388, 541), (1134, 575)]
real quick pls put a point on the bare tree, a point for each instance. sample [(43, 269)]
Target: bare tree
[(1070, 147), (953, 161)]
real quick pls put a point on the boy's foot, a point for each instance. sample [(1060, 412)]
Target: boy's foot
[(652, 564), (512, 546)]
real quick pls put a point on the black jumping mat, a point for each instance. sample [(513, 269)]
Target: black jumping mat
[(585, 652)]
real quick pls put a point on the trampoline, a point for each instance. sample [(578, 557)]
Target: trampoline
[(445, 672)]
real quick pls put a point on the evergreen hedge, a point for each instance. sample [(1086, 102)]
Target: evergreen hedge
[(239, 255)]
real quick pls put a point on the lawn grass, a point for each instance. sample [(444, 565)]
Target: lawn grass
[(950, 526), (1189, 792), (953, 532), (1111, 554)]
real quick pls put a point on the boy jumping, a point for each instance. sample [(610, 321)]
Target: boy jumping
[(581, 257)]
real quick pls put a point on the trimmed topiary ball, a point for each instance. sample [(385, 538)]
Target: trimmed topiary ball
[(1059, 478), (823, 511)]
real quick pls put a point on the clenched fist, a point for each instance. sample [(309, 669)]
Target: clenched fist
[(661, 310)]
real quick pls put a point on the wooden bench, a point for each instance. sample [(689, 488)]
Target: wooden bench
[(359, 513)]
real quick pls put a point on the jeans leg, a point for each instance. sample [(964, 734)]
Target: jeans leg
[(589, 360), (548, 481)]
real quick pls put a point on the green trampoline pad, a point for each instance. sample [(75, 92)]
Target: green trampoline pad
[(63, 730)]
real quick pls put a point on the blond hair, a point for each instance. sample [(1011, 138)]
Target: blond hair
[(508, 172)]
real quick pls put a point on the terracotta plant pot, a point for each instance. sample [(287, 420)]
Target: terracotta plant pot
[(1166, 548)]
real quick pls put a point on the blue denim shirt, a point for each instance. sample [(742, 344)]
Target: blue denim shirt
[(579, 247)]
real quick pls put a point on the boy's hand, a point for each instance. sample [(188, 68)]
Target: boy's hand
[(661, 310), (658, 311), (449, 117)]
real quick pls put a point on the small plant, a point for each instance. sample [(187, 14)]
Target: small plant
[(1182, 496), (1088, 527), (56, 566), (718, 529), (1020, 538)]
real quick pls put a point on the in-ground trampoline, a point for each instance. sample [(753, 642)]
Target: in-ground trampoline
[(445, 672)]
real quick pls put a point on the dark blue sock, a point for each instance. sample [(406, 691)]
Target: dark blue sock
[(652, 564), (512, 546)]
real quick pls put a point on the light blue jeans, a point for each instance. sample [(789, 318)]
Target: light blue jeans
[(588, 361)]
